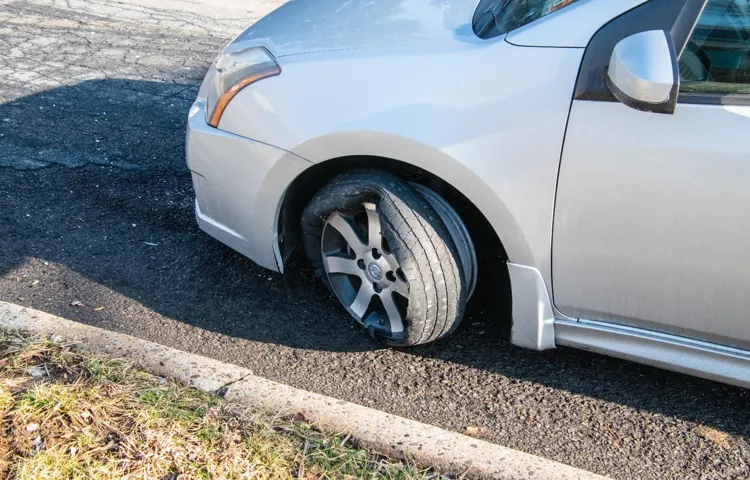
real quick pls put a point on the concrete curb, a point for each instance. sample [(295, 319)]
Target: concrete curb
[(392, 435)]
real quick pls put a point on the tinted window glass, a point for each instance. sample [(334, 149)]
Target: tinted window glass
[(716, 57), (495, 17), (518, 13)]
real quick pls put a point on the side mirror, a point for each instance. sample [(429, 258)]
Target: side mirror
[(643, 72)]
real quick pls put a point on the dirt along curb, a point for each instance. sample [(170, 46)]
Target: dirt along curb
[(395, 436)]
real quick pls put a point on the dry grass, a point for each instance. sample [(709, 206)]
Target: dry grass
[(712, 435), (70, 414)]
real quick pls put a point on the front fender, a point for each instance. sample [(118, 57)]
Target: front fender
[(449, 169), (488, 118)]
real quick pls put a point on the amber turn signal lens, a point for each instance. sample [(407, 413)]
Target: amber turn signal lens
[(235, 68), (227, 96)]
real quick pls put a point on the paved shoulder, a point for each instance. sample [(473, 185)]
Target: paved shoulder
[(97, 225), (389, 434)]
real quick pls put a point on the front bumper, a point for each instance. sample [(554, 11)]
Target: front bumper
[(239, 188)]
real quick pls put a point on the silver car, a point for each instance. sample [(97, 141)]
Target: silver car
[(602, 145)]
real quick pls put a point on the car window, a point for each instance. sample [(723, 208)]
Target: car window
[(715, 59), (496, 17)]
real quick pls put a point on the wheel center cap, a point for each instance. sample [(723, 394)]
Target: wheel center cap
[(375, 271)]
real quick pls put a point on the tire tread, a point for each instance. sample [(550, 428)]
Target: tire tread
[(417, 237)]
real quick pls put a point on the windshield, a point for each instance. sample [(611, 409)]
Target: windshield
[(496, 17)]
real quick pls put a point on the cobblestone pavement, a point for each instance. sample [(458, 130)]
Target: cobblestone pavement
[(96, 208)]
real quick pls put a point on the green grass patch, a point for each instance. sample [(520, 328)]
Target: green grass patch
[(68, 414)]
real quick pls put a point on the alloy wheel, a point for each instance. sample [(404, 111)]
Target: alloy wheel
[(363, 272)]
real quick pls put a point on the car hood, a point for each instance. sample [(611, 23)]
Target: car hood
[(305, 26)]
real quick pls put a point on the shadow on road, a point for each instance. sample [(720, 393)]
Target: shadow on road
[(93, 181)]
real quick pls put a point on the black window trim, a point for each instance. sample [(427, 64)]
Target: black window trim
[(700, 98), (678, 17)]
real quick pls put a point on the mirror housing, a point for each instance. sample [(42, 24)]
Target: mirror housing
[(643, 72)]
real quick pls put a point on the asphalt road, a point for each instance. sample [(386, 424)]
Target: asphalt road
[(96, 225)]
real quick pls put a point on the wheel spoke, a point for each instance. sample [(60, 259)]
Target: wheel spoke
[(374, 235), (364, 296), (394, 316), (400, 287), (344, 226), (336, 264)]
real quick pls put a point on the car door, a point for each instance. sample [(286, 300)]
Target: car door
[(652, 213)]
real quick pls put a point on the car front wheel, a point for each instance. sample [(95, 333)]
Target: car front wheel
[(400, 268)]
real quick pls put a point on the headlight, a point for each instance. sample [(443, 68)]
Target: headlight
[(236, 68)]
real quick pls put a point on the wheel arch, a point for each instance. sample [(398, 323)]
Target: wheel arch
[(469, 194), (493, 274), (501, 245)]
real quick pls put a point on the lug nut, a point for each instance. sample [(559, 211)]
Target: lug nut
[(377, 287)]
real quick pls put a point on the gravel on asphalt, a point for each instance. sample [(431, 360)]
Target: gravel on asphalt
[(97, 225)]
